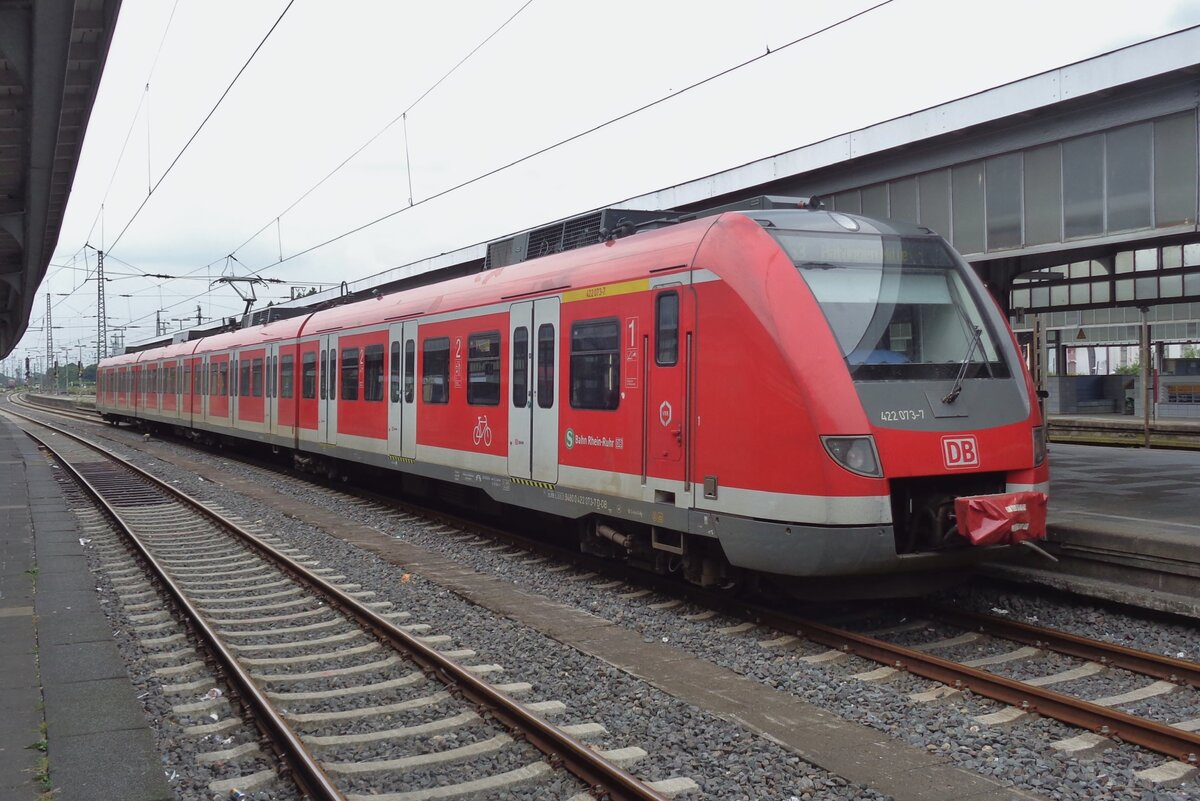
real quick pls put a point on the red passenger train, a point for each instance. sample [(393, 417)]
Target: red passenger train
[(790, 392)]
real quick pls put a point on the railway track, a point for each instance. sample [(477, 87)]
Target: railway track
[(336, 682), (1022, 691), (23, 400)]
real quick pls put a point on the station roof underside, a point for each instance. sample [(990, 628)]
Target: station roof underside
[(51, 55)]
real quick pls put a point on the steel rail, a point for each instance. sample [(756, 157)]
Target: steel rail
[(560, 748), (1178, 671), (22, 401), (306, 771), (1158, 737), (1152, 735)]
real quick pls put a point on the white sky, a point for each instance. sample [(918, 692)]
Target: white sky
[(334, 74)]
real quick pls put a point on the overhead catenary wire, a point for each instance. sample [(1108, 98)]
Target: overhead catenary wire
[(546, 149), (203, 122), (277, 219), (99, 218), (401, 117), (580, 135), (128, 134)]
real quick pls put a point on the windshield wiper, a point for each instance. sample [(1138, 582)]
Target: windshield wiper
[(822, 265), (956, 390)]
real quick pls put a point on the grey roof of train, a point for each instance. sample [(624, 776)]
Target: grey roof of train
[(827, 221)]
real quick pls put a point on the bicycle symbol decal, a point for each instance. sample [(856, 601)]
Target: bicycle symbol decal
[(482, 432)]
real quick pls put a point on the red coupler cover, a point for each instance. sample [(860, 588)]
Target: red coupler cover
[(1004, 519)]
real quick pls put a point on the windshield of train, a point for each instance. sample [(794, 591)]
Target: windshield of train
[(898, 306)]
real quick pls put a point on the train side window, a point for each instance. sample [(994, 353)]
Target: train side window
[(271, 367), (308, 379), (350, 374), (545, 366), (256, 378), (223, 380), (373, 373), (596, 364), (435, 370), (394, 375), (520, 367), (286, 377), (410, 371), (666, 329), (244, 366), (483, 369)]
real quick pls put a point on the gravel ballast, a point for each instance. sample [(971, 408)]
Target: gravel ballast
[(723, 759)]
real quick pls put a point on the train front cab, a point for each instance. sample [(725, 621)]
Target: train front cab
[(951, 409), (830, 432)]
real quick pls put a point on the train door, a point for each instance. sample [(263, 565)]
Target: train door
[(666, 349), (308, 399), (532, 403), (185, 389), (235, 387), (270, 380), (327, 420), (402, 401), (206, 386), (181, 391)]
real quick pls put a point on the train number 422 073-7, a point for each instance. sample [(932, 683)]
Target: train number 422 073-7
[(901, 415)]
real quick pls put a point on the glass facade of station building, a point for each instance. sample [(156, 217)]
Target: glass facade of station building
[(1119, 208), (1136, 178)]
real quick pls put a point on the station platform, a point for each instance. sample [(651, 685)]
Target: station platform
[(1125, 523), (69, 717)]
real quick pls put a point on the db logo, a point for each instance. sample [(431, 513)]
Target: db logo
[(960, 452)]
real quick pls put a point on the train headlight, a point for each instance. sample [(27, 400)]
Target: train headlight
[(1039, 445), (856, 454)]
